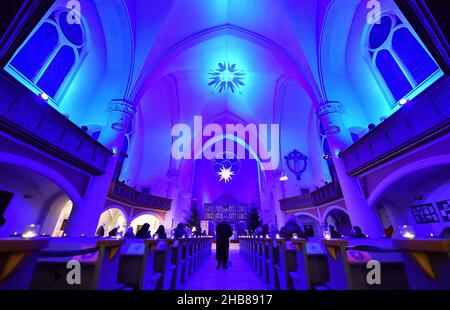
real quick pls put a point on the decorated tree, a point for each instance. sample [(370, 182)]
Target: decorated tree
[(194, 219), (254, 220)]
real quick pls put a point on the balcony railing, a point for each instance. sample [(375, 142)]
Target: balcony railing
[(324, 194), (329, 192), (30, 119), (424, 118), (127, 194)]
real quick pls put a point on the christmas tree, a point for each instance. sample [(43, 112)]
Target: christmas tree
[(194, 219), (254, 220)]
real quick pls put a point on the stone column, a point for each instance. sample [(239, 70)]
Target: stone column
[(84, 218), (339, 138)]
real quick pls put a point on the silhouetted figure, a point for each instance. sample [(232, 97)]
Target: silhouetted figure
[(198, 231), (290, 228), (204, 233), (129, 233), (357, 233), (100, 231), (334, 233), (223, 234), (113, 232), (445, 233), (264, 230), (144, 231), (371, 127), (180, 231), (161, 232)]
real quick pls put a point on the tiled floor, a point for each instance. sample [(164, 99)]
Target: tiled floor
[(238, 277)]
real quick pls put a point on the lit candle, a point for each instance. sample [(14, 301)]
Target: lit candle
[(29, 234), (295, 236), (407, 232), (277, 236), (327, 234)]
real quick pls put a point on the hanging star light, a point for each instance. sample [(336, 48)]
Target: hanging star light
[(225, 174), (226, 76)]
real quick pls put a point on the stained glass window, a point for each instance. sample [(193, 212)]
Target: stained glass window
[(49, 58), (401, 60)]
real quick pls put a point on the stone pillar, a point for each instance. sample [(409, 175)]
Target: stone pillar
[(84, 218), (339, 138)]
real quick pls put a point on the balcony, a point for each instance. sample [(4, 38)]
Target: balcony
[(329, 192), (129, 195), (421, 120), (28, 118)]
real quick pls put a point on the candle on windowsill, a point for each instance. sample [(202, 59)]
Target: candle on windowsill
[(407, 232), (31, 231)]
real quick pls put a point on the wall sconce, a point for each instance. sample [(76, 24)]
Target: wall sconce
[(326, 156), (283, 177)]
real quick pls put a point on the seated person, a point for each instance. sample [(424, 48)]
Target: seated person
[(129, 233), (100, 231), (161, 232), (198, 231), (180, 232), (113, 232), (273, 230), (264, 230), (143, 232), (334, 233), (357, 233), (290, 228)]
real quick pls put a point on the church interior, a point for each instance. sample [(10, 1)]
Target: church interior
[(133, 131)]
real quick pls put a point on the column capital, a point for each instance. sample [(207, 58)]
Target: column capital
[(328, 107), (122, 105)]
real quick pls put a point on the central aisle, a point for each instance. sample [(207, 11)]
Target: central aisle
[(237, 277)]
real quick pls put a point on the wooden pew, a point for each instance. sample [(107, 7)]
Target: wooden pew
[(427, 262), (282, 267), (311, 267), (187, 257), (18, 258), (348, 265), (163, 263), (99, 261), (269, 263), (178, 261), (136, 266), (259, 256)]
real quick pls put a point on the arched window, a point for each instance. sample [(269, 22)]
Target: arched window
[(50, 57), (401, 60)]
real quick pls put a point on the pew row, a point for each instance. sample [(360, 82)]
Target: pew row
[(56, 268), (168, 265), (349, 265), (427, 262), (18, 258)]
